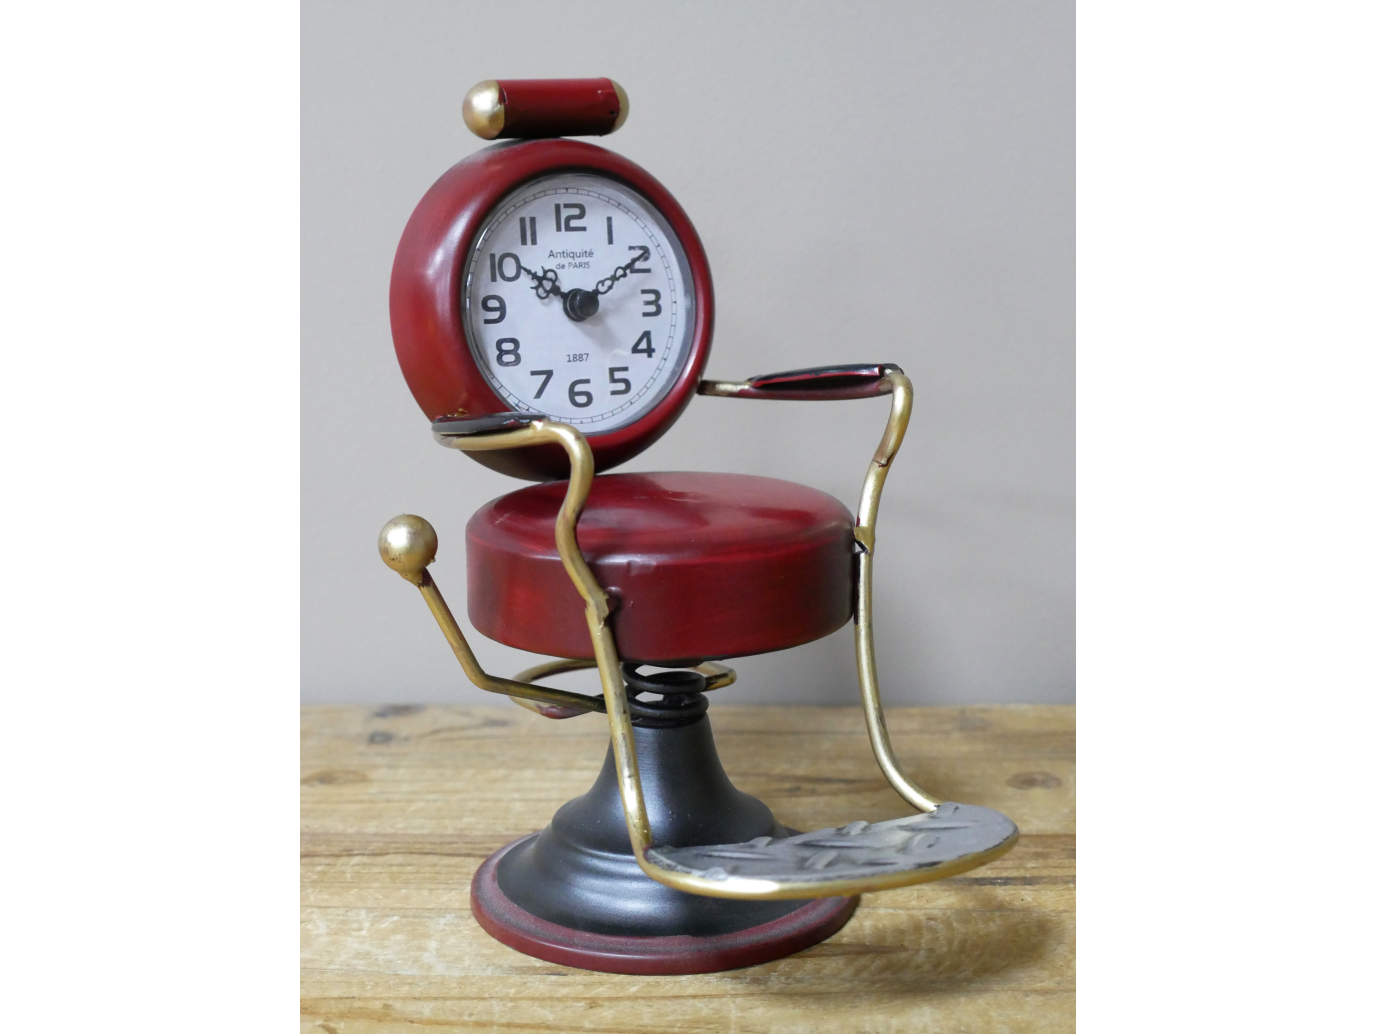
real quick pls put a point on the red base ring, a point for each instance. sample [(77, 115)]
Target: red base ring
[(649, 956)]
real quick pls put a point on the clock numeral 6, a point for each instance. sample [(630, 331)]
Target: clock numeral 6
[(625, 383), (494, 303), (652, 306), (497, 266), (580, 397), (508, 351)]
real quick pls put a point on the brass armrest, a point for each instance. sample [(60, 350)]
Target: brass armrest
[(820, 383), (854, 382)]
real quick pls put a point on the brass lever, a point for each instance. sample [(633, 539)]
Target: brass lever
[(408, 545)]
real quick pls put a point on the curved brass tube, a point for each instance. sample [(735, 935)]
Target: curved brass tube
[(604, 646), (890, 382), (902, 391)]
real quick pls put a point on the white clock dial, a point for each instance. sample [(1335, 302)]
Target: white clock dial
[(602, 347)]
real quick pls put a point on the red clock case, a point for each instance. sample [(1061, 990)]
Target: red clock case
[(427, 309)]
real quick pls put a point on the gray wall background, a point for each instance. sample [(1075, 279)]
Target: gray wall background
[(872, 181)]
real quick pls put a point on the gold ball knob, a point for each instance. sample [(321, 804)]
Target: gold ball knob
[(408, 544), (483, 110)]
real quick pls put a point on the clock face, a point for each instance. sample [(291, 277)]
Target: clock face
[(578, 302)]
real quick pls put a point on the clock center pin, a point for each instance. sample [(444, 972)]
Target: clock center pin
[(580, 304)]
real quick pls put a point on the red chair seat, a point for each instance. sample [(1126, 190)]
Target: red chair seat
[(699, 566)]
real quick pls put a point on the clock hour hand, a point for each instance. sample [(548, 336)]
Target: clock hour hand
[(546, 283), (578, 304)]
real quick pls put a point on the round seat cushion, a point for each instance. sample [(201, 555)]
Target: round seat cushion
[(698, 566)]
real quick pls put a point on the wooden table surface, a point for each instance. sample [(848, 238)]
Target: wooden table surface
[(401, 804)]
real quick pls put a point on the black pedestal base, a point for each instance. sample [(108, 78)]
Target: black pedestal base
[(801, 928), (562, 893)]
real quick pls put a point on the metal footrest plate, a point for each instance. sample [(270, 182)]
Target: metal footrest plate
[(850, 859)]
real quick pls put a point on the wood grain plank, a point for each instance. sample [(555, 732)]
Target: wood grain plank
[(400, 806)]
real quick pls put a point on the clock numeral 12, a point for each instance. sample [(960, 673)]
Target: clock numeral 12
[(563, 222)]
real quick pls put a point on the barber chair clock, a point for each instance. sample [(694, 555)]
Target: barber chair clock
[(552, 314)]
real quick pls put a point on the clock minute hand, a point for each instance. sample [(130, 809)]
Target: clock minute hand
[(578, 303), (619, 273)]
